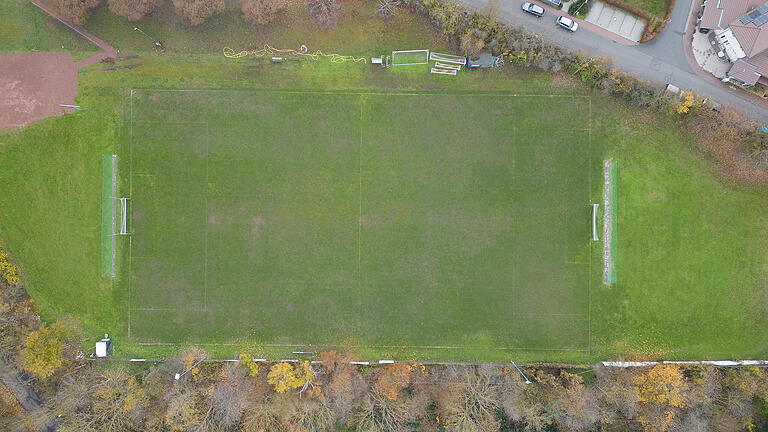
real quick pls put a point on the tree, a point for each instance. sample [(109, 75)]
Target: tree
[(392, 378), (520, 402), (76, 10), (246, 361), (324, 13), (262, 11), (8, 270), (345, 387), (377, 412), (227, 398), (196, 11), (471, 43), (572, 405), (662, 392), (42, 351), (283, 377), (470, 400), (134, 10), (616, 393)]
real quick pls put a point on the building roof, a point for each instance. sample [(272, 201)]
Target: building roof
[(752, 38), (745, 72), (718, 14)]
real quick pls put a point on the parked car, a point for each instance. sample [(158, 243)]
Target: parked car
[(567, 23), (533, 9)]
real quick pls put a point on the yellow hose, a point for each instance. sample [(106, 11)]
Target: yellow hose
[(268, 50)]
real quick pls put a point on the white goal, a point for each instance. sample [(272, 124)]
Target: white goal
[(410, 57)]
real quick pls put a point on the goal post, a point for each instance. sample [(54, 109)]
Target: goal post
[(410, 57), (108, 214), (123, 216)]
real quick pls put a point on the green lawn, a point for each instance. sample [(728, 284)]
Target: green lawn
[(392, 219), (656, 7)]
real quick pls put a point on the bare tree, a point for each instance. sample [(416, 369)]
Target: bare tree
[(134, 10), (262, 11), (470, 399), (346, 386), (378, 413), (227, 398), (324, 13), (196, 11), (76, 10)]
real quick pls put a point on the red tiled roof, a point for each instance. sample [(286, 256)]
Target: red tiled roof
[(753, 39), (744, 72), (719, 13), (761, 61)]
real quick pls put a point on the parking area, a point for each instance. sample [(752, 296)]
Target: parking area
[(616, 21)]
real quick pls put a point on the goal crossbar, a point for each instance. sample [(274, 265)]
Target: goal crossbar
[(448, 58)]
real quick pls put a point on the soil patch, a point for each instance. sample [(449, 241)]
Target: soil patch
[(32, 85)]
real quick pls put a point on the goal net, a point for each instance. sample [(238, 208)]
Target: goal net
[(410, 57)]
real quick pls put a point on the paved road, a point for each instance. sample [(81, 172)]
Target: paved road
[(662, 60)]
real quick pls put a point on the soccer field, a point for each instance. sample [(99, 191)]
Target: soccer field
[(359, 219)]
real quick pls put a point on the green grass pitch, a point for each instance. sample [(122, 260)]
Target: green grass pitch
[(365, 219)]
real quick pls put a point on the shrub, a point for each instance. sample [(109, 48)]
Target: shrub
[(8, 270), (580, 8), (42, 350)]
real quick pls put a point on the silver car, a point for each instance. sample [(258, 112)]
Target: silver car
[(533, 9), (567, 23)]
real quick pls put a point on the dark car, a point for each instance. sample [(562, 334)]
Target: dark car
[(533, 9)]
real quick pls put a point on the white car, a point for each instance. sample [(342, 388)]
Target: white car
[(567, 23), (533, 9)]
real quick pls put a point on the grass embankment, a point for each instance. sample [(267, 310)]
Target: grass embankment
[(691, 259), (360, 32), (27, 28), (656, 7)]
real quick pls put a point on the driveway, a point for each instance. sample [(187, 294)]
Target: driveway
[(662, 60)]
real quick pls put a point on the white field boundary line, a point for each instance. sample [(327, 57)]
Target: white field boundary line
[(372, 93), (345, 93), (606, 364)]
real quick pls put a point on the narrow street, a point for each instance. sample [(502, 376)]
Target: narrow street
[(662, 60)]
